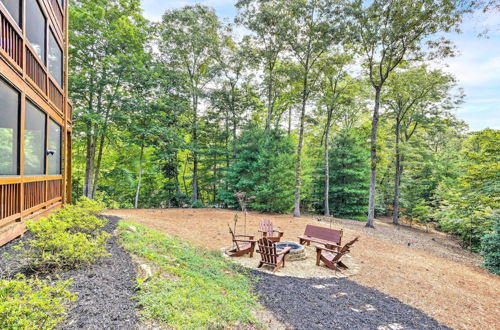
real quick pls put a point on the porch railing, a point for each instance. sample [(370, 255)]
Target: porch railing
[(11, 41)]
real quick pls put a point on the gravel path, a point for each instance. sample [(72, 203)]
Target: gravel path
[(105, 290), (336, 304)]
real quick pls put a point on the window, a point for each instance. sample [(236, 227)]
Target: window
[(9, 130), (54, 151), (61, 2), (14, 8), (55, 60), (34, 140), (35, 28)]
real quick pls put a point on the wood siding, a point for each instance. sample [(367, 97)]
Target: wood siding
[(24, 197)]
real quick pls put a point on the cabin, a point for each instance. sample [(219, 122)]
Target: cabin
[(35, 113)]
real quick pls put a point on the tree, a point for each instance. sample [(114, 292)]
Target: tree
[(349, 175), (107, 43), (190, 42), (334, 83), (262, 17), (387, 33), (263, 170), (310, 33), (414, 97)]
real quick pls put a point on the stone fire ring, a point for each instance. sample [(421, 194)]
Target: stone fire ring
[(296, 253)]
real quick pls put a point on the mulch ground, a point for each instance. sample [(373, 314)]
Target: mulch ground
[(105, 290), (336, 304), (431, 274)]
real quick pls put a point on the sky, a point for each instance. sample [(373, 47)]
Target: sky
[(476, 67)]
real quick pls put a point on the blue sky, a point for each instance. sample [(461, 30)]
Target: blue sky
[(477, 67)]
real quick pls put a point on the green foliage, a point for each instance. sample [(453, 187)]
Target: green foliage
[(67, 238), (33, 303), (470, 205), (349, 177), (197, 205), (490, 248), (263, 169), (191, 288)]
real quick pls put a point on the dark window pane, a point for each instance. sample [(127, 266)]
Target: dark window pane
[(55, 146), (14, 8), (55, 60), (9, 130), (35, 28), (62, 3), (34, 140)]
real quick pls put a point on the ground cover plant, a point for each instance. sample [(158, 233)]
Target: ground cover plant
[(33, 303), (67, 238), (190, 287)]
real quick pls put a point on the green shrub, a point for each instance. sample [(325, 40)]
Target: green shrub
[(33, 303), (490, 249), (198, 204), (91, 207), (68, 238)]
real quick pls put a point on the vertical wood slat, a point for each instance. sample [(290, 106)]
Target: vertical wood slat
[(56, 96), (10, 41), (59, 14), (35, 71), (54, 189), (10, 199), (34, 194)]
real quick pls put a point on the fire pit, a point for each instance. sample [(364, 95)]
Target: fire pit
[(296, 253)]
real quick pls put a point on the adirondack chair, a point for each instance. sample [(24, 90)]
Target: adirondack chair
[(331, 258), (243, 244), (269, 255), (267, 230)]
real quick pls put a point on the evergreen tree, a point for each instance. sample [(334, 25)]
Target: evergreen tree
[(349, 177), (263, 169)]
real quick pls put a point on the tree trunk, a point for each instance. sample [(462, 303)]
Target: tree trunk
[(89, 164), (139, 180), (296, 211), (270, 102), (327, 167), (289, 120), (195, 149), (373, 158), (397, 177)]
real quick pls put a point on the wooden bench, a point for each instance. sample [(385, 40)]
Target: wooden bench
[(330, 238)]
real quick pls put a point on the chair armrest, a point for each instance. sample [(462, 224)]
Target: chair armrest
[(245, 240), (285, 250), (250, 236), (319, 248), (278, 231)]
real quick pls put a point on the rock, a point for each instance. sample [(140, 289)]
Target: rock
[(132, 228), (144, 271)]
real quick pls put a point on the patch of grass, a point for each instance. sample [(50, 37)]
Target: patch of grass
[(191, 287), (33, 303)]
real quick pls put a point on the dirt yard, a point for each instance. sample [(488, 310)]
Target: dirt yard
[(431, 273)]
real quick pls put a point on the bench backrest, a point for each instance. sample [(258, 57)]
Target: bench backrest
[(327, 234)]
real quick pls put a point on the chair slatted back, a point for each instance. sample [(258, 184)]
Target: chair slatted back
[(266, 226), (344, 249), (323, 233), (234, 237), (267, 251)]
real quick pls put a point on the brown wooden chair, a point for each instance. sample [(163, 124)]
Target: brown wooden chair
[(269, 255), (267, 230), (331, 258), (243, 244)]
